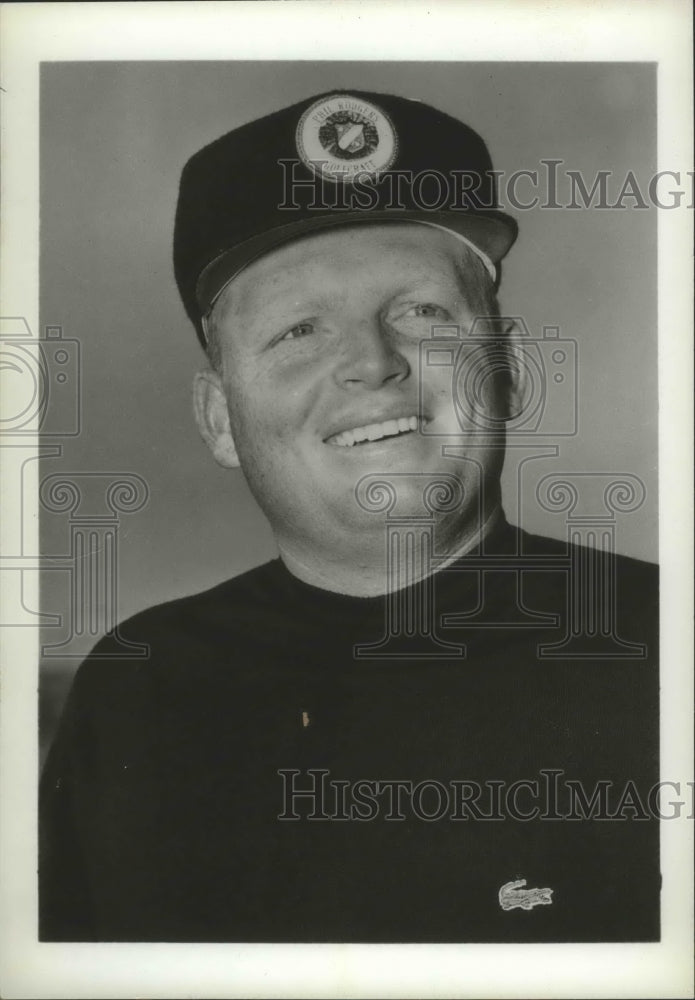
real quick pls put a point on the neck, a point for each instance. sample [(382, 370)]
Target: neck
[(374, 574)]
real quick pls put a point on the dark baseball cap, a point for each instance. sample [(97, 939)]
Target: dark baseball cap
[(341, 158)]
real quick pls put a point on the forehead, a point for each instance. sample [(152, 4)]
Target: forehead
[(369, 254)]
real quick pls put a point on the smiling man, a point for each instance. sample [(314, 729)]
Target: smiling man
[(389, 731), (317, 384)]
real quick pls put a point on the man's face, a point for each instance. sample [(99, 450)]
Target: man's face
[(320, 358)]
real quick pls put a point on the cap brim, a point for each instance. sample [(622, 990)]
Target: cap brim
[(492, 232)]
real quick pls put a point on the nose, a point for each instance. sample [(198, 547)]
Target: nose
[(369, 358)]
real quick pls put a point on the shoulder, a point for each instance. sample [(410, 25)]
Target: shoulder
[(223, 605), (627, 566), (194, 633), (543, 544), (603, 583)]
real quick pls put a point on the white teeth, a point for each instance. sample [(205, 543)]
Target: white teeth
[(374, 432)]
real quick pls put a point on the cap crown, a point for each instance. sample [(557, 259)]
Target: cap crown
[(234, 195)]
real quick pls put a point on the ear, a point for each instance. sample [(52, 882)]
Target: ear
[(212, 417), (517, 374)]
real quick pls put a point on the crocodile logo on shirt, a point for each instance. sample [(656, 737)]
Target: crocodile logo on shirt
[(512, 895)]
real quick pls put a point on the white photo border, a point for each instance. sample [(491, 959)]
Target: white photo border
[(504, 30)]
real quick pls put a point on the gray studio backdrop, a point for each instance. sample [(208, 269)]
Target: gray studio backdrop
[(114, 137)]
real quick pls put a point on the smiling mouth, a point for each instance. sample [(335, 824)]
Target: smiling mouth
[(374, 432)]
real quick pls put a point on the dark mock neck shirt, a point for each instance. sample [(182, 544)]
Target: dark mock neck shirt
[(511, 737)]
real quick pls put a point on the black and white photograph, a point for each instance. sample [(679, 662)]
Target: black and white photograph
[(347, 534)]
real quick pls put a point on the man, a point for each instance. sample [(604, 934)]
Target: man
[(392, 732)]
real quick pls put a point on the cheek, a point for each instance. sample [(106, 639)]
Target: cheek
[(269, 412), (477, 389), (467, 404), (437, 393)]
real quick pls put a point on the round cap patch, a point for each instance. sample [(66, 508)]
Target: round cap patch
[(343, 138)]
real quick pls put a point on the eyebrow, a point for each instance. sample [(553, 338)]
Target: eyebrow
[(283, 289)]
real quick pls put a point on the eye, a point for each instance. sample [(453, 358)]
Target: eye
[(427, 310), (303, 329)]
